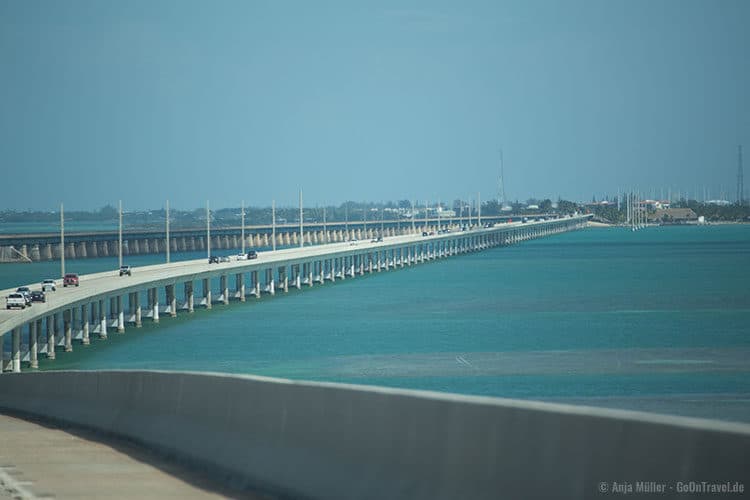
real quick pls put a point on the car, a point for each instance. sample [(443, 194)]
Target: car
[(240, 256), (126, 270), (252, 254), (38, 296), (70, 279), (379, 239), (26, 292), (213, 259), (224, 258), (15, 300), (353, 242), (49, 285), (424, 233)]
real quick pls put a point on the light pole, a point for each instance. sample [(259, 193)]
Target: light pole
[(242, 230), (325, 230), (168, 240), (119, 234), (273, 223), (208, 231), (301, 216), (62, 241)]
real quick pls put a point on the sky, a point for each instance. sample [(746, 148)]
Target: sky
[(250, 100)]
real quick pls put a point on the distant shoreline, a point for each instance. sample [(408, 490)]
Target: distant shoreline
[(715, 223)]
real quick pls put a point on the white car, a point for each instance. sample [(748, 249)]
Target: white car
[(15, 300), (49, 286), (240, 256)]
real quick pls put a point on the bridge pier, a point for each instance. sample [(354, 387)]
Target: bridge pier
[(224, 289), (120, 315), (171, 300), (239, 280), (102, 319), (34, 328), (67, 329), (207, 293), (85, 340), (51, 320), (190, 296), (15, 353)]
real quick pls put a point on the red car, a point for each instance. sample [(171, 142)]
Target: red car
[(70, 279)]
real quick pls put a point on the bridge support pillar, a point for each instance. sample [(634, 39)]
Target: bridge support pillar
[(239, 279), (51, 328), (155, 304), (35, 327), (190, 296), (207, 292), (171, 300), (85, 338), (15, 353), (102, 320), (120, 315), (138, 312), (68, 331), (224, 289)]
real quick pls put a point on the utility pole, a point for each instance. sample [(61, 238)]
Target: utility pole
[(301, 233), (325, 228), (425, 215), (382, 217), (119, 235), (412, 216), (168, 240), (242, 230), (208, 231), (346, 221), (273, 223), (62, 241)]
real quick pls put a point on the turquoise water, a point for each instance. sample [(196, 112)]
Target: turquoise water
[(655, 320)]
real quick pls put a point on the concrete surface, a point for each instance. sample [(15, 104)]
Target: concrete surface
[(41, 460), (323, 440)]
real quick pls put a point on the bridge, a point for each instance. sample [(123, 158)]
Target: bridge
[(25, 247), (98, 305), (324, 440)]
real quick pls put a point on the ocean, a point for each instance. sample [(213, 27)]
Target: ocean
[(656, 320)]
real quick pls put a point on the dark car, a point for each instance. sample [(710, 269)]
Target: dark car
[(70, 279), (126, 270), (424, 233), (214, 259), (38, 296), (252, 254)]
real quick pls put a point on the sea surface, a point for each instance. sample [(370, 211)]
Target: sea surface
[(656, 320)]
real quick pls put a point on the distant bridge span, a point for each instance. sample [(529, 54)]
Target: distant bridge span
[(98, 304)]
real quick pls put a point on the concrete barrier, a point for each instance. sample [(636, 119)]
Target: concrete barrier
[(322, 440)]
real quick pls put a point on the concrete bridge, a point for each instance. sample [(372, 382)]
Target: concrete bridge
[(106, 302), (81, 245)]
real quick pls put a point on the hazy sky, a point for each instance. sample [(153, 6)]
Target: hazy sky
[(232, 100)]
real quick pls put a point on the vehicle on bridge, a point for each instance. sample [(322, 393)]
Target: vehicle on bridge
[(49, 286), (70, 279), (126, 270), (38, 296), (15, 300), (252, 254), (26, 292), (214, 259)]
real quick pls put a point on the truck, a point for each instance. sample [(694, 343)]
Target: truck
[(15, 300)]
